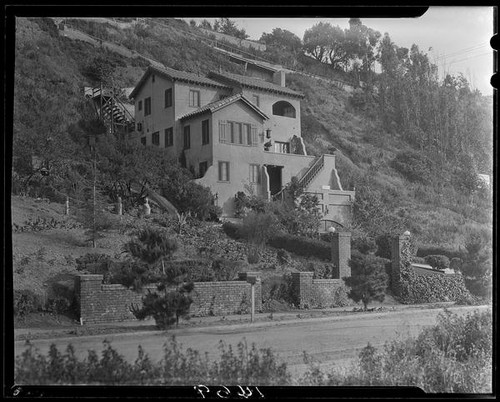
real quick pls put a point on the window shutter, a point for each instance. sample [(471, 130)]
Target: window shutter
[(254, 135), (222, 130)]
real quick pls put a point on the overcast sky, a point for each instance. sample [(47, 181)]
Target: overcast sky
[(455, 38)]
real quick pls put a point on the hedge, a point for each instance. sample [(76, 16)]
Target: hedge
[(424, 251), (438, 261), (302, 246)]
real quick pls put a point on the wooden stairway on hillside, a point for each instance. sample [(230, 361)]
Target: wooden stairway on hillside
[(111, 109)]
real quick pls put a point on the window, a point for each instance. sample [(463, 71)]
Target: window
[(169, 137), (256, 100), (203, 168), (187, 137), (223, 171), (194, 98), (205, 132), (147, 106), (168, 97), (283, 108), (237, 133), (139, 105), (247, 133), (155, 139), (143, 140), (282, 147), (254, 173)]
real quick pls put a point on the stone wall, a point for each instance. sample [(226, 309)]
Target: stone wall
[(100, 303)]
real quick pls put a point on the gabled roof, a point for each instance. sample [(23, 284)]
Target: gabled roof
[(176, 75), (222, 103), (251, 82)]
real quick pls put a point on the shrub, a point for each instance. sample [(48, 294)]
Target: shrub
[(368, 280), (453, 356), (93, 263), (383, 246), (232, 230), (25, 302), (258, 227), (151, 246), (167, 308), (364, 245), (438, 261), (283, 257), (277, 288), (321, 270), (225, 270), (424, 251), (302, 246), (243, 365), (415, 166)]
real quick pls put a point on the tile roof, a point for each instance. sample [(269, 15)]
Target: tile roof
[(176, 75), (251, 82), (221, 103)]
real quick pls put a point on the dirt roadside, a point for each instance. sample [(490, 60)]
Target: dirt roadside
[(74, 329)]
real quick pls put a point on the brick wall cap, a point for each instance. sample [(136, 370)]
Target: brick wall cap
[(91, 277), (303, 273)]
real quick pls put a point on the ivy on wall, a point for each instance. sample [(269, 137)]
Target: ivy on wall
[(415, 288)]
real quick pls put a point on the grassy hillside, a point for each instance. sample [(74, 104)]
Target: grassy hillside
[(51, 71)]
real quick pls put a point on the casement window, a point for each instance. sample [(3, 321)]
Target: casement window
[(168, 97), (203, 168), (256, 100), (147, 106), (205, 132), (155, 138), (237, 133), (143, 140), (281, 147), (187, 137), (169, 137), (254, 174), (223, 171), (139, 105), (194, 98)]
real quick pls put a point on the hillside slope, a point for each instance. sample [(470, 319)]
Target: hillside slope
[(51, 71)]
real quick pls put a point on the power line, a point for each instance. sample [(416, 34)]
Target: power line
[(461, 51)]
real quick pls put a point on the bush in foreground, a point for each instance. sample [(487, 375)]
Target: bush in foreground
[(453, 356), (245, 365)]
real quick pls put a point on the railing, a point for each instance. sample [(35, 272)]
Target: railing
[(313, 171)]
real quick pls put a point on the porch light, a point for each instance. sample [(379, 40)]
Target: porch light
[(407, 233), (331, 229)]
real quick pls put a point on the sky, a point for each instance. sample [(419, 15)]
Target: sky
[(456, 39)]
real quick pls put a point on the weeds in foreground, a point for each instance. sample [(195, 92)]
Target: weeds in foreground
[(453, 356)]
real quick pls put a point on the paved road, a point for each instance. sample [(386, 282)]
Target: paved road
[(327, 340)]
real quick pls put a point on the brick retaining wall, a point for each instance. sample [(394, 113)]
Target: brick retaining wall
[(100, 303), (315, 293)]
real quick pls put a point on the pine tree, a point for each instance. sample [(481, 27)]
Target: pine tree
[(368, 280)]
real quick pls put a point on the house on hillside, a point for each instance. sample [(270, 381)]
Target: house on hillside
[(236, 132)]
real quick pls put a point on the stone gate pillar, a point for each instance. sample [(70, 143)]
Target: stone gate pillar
[(396, 247), (341, 254)]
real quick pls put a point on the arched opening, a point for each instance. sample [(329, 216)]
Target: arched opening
[(283, 108)]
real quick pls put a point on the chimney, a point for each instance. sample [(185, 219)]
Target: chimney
[(279, 78)]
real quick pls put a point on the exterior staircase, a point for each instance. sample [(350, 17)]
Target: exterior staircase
[(312, 172), (111, 109), (307, 178)]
